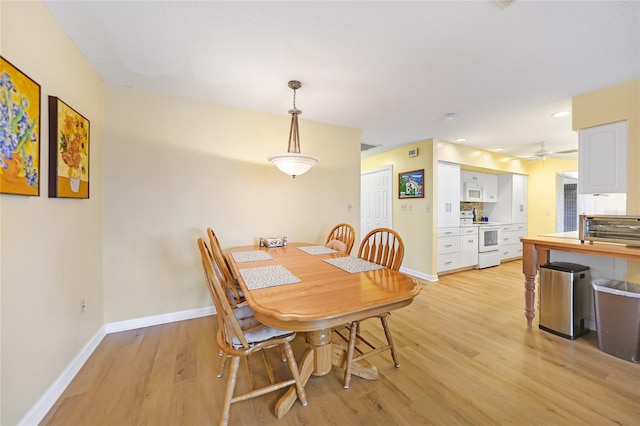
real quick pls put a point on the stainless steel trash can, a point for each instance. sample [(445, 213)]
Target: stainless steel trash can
[(564, 298), (618, 318)]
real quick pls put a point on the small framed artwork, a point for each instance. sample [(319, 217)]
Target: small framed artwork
[(68, 151), (411, 184), (19, 132)]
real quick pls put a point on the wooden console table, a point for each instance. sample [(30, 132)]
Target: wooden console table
[(535, 252)]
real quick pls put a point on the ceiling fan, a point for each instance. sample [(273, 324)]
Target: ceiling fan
[(543, 153)]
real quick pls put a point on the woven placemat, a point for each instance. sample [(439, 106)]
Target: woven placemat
[(267, 276), (251, 256), (353, 265), (314, 250)]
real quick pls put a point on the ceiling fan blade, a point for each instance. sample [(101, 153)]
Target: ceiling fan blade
[(569, 151)]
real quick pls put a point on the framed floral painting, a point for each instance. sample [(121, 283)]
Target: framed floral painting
[(68, 151), (19, 132)]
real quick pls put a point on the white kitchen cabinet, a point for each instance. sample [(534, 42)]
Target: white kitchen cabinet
[(602, 159), (510, 244), (468, 246), (448, 194), (511, 206), (488, 182), (520, 193), (448, 249), (457, 248)]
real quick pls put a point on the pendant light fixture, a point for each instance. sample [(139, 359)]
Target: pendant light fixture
[(293, 162)]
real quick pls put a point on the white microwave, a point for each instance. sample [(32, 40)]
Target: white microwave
[(473, 192)]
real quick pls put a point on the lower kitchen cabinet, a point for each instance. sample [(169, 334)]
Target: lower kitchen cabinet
[(468, 246), (511, 247), (457, 248), (448, 249)]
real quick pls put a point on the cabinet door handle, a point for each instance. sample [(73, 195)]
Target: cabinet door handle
[(448, 245)]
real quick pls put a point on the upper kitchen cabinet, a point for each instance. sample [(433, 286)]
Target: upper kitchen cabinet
[(511, 206), (602, 159), (448, 194), (485, 183)]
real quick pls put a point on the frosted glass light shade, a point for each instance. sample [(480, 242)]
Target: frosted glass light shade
[(294, 164)]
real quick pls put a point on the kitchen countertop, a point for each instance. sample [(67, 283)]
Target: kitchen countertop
[(571, 234), (536, 252)]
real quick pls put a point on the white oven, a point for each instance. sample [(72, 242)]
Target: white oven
[(472, 192), (489, 246)]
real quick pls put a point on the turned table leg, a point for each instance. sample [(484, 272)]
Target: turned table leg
[(529, 270)]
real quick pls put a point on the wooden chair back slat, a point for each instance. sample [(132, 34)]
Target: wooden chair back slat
[(223, 264), (343, 232), (383, 246)]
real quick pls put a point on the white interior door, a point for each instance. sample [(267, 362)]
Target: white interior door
[(375, 199)]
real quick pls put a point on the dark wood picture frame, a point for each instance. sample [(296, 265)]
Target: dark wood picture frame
[(411, 184), (68, 151)]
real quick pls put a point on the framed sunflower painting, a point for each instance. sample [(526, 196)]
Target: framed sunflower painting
[(68, 151), (19, 132)]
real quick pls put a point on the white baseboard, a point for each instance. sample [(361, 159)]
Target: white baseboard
[(133, 324), (418, 274), (40, 409)]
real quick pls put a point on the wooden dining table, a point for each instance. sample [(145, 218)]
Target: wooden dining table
[(325, 297)]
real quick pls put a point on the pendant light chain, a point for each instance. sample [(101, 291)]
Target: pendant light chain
[(294, 132), (294, 98)]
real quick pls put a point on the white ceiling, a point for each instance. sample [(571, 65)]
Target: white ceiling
[(392, 69)]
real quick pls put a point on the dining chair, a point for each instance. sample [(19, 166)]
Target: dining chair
[(341, 238), (241, 340), (385, 247), (233, 290), (241, 311)]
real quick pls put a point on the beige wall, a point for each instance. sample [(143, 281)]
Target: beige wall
[(173, 167), (51, 248), (608, 105), (541, 202), (470, 158), (415, 225)]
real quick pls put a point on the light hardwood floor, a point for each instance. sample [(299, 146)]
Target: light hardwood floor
[(466, 355)]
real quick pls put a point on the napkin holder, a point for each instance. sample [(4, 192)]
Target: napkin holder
[(273, 242)]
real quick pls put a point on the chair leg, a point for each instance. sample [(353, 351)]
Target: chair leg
[(221, 364), (267, 367), (293, 366), (353, 332), (231, 385), (387, 332)]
